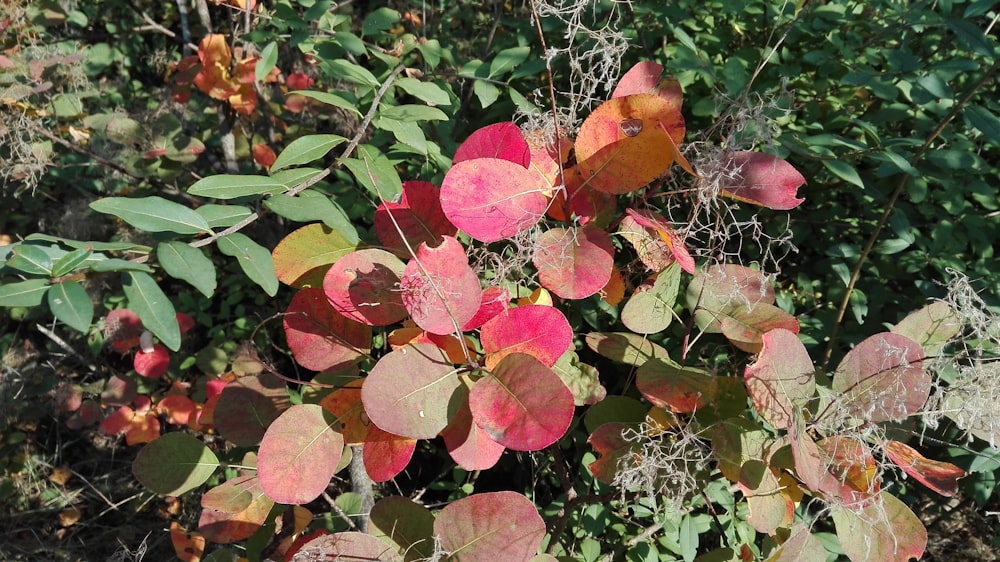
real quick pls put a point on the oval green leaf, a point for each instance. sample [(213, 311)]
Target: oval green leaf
[(70, 303), (174, 464), (157, 313), (183, 262), (306, 149), (153, 214), (253, 258)]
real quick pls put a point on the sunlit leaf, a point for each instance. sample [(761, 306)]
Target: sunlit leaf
[(302, 258), (883, 378), (491, 199), (386, 454), (644, 78), (490, 527), (439, 289), (157, 313), (345, 403), (931, 326), (174, 464), (364, 286), (24, 293), (782, 378), (154, 364), (852, 464), (763, 179), (70, 303), (495, 300), (625, 347), (298, 455), (802, 546), (153, 214), (540, 331), (341, 547), (680, 389), (745, 326), (306, 149), (574, 263), (650, 308), (409, 391), (181, 261), (312, 206), (717, 291), (885, 530), (468, 444), (499, 140), (673, 241), (581, 379), (254, 259), (628, 142), (223, 527), (523, 405), (942, 477), (375, 172)]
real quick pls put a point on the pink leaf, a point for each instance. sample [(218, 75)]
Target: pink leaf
[(439, 289), (644, 78), (364, 286), (409, 390), (670, 237), (152, 365), (299, 454), (342, 547), (942, 477), (574, 263), (883, 378), (494, 301), (764, 180), (499, 140), (746, 326), (491, 199), (523, 406), (321, 338), (468, 444), (720, 290), (491, 527), (540, 331), (613, 450), (782, 378), (418, 215), (386, 454)]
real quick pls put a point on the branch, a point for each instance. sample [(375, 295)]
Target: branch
[(351, 146)]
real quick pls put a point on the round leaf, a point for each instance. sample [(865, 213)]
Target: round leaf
[(364, 286), (883, 378), (537, 330), (439, 289), (574, 263), (499, 140), (491, 199), (490, 527), (299, 454), (321, 338), (174, 464)]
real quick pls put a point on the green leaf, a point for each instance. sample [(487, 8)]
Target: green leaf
[(268, 58), (984, 120), (413, 113), (350, 42), (374, 171), (67, 105), (23, 293), (310, 206), (351, 72), (255, 260), (157, 313), (174, 464), (223, 216), (70, 303), (70, 262), (116, 264), (486, 92), (378, 20), (183, 262), (230, 186), (29, 258), (330, 98), (507, 59), (95, 246), (306, 149), (425, 91), (153, 214), (295, 176), (973, 37), (688, 539), (844, 171)]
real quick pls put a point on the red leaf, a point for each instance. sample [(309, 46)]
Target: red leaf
[(418, 215), (468, 444), (264, 155), (523, 406), (342, 547), (222, 527), (345, 403), (179, 409), (299, 454), (188, 547), (942, 477), (537, 330), (409, 390), (321, 338), (299, 81), (439, 289), (548, 156), (611, 448), (121, 329), (491, 527), (852, 464), (386, 454), (152, 365), (883, 378), (782, 378), (644, 78), (673, 241), (491, 199), (494, 301), (764, 180), (574, 263), (681, 389), (746, 326), (364, 286), (628, 142), (499, 140)]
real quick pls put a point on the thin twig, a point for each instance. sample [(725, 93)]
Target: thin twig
[(66, 347)]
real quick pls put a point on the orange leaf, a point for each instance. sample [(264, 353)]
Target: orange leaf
[(188, 546), (942, 477)]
